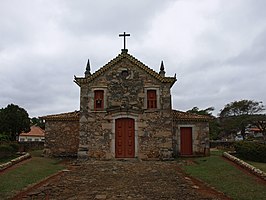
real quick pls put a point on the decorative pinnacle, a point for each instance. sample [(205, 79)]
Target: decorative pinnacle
[(162, 72), (88, 69), (162, 66)]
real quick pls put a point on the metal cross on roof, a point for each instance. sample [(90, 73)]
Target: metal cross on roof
[(124, 35)]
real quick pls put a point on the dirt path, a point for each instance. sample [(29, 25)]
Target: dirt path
[(123, 180)]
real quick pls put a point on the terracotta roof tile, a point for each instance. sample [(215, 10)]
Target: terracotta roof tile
[(177, 115), (34, 131), (80, 80), (70, 116), (185, 116)]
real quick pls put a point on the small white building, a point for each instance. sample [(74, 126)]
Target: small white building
[(36, 134)]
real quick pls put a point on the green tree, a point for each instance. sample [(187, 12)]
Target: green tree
[(207, 111), (259, 121), (213, 125), (242, 108), (14, 120), (37, 122), (235, 116)]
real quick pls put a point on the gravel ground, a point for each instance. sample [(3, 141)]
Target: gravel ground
[(122, 180)]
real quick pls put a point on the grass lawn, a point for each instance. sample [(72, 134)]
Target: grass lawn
[(215, 171), (30, 172), (259, 165)]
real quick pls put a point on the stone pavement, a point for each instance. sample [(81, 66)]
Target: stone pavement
[(121, 180)]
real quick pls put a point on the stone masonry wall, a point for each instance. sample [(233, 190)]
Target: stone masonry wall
[(155, 136), (125, 96), (95, 136), (62, 138), (200, 136)]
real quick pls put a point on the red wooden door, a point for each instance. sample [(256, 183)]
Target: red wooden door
[(124, 138), (186, 141)]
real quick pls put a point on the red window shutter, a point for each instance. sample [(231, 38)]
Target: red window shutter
[(151, 99), (98, 99)]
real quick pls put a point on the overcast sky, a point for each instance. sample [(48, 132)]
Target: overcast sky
[(217, 48)]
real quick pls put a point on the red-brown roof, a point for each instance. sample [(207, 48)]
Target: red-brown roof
[(34, 131), (185, 116), (177, 116), (255, 129), (70, 116), (124, 54)]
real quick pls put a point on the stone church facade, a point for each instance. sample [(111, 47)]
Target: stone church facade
[(126, 112)]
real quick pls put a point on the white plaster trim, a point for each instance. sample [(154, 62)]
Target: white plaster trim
[(122, 115), (178, 135)]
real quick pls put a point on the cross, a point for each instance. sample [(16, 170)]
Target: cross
[(124, 35)]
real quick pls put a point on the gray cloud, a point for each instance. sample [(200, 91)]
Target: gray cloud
[(216, 48)]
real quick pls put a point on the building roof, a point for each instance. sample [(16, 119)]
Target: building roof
[(124, 54), (177, 115), (185, 116), (255, 129), (35, 131), (69, 116)]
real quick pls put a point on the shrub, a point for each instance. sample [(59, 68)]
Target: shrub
[(8, 149), (253, 151), (15, 147), (4, 138), (5, 150)]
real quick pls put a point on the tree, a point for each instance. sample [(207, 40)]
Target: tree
[(213, 125), (207, 111), (260, 122), (14, 120), (242, 107), (235, 116), (37, 122)]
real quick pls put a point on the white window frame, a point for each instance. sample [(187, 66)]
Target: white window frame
[(104, 89), (158, 94)]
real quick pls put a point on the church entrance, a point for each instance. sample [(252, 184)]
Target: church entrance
[(186, 141), (124, 138)]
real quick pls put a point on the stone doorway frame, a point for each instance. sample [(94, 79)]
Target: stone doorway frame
[(178, 136), (122, 115)]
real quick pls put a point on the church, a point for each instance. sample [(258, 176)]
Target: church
[(126, 112)]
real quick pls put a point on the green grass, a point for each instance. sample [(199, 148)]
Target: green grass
[(259, 165), (30, 172), (215, 171)]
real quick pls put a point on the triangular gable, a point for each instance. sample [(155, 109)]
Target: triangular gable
[(124, 54)]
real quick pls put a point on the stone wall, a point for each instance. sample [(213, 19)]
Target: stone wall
[(95, 133), (29, 146), (155, 135), (200, 136), (61, 137), (125, 96)]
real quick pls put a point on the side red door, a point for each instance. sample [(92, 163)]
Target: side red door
[(124, 138), (186, 141)]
